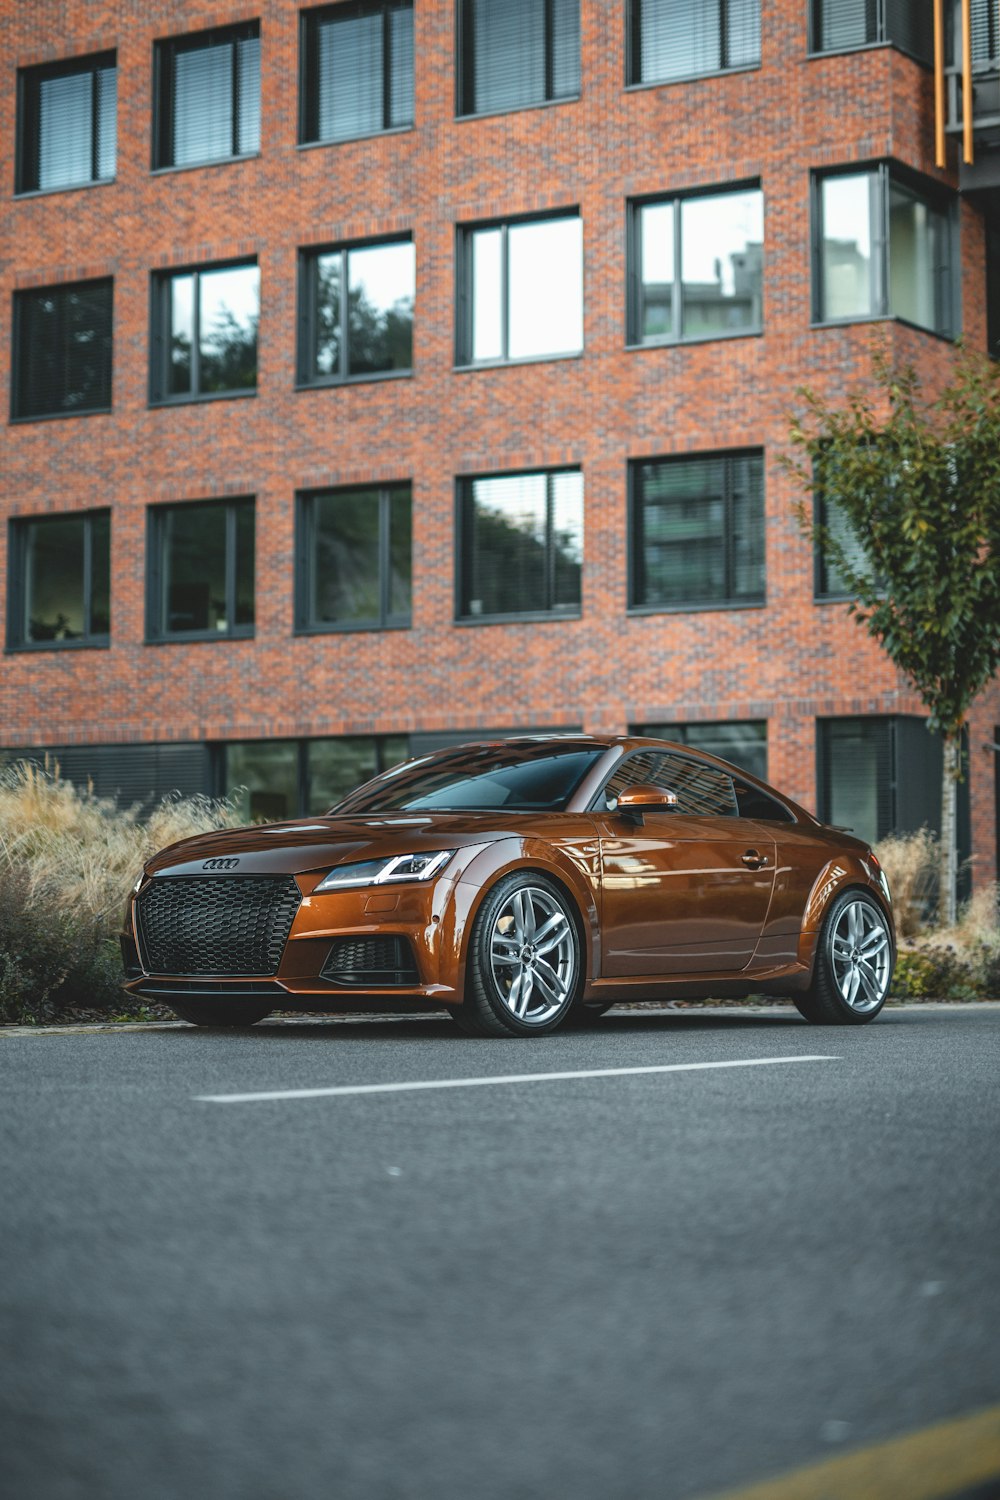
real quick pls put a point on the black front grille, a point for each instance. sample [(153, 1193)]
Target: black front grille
[(379, 962), (206, 924)]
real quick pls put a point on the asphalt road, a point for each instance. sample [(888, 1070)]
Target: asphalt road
[(624, 1286)]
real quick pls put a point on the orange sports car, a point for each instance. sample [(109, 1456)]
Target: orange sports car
[(520, 884)]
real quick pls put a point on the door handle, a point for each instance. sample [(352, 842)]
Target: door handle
[(753, 859)]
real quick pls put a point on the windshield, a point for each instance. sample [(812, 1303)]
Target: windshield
[(478, 778)]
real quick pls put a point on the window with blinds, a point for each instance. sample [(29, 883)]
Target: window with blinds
[(520, 545), (697, 531), (62, 350), (517, 53), (207, 97), (67, 124), (838, 25), (354, 559), (357, 70), (59, 581), (200, 579), (671, 39)]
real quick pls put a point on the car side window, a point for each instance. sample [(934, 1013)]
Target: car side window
[(701, 790), (753, 803)]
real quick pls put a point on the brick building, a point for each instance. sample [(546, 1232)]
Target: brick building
[(387, 373)]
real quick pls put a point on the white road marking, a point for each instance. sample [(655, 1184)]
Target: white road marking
[(475, 1083)]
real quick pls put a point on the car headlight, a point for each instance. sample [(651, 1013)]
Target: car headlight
[(385, 871), (137, 887)]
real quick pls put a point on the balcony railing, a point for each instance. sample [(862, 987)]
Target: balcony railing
[(967, 74)]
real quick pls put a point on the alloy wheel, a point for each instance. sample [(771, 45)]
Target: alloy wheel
[(533, 955)]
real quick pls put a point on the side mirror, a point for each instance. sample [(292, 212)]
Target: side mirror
[(634, 800)]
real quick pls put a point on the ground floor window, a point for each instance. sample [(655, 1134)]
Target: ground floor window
[(743, 742), (274, 779)]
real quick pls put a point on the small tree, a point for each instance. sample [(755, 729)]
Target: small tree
[(915, 487)]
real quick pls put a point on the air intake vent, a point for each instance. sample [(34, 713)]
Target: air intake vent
[(372, 962), (215, 925)]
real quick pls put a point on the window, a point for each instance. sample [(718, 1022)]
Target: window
[(357, 70), (697, 267), (671, 39), (521, 290), (354, 559), (201, 569), (67, 126), (516, 54), (701, 790), (697, 531), (273, 779), (205, 333), (520, 546), (744, 743), (830, 582), (837, 25), (356, 312), (60, 584), (207, 97), (62, 350), (883, 249)]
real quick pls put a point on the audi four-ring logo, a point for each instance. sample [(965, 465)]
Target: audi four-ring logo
[(220, 864)]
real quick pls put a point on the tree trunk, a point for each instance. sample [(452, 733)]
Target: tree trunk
[(952, 769)]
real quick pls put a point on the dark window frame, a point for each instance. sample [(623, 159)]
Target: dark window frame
[(690, 729), (465, 298), (305, 561), (165, 51), (633, 268), (306, 315), (463, 503), (877, 20), (20, 297), (217, 750), (309, 22), (465, 88), (157, 631), (633, 54), (883, 172), (634, 565), (17, 527), (29, 119), (159, 334)]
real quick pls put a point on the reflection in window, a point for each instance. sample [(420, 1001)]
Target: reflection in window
[(698, 531), (208, 96), (62, 350), (522, 290), (520, 53), (205, 333), (355, 558), (370, 330), (67, 124), (701, 790), (685, 38), (60, 580), (521, 544), (839, 24), (884, 249), (743, 742), (358, 70), (698, 267), (202, 569), (270, 780)]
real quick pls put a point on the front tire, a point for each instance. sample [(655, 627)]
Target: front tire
[(524, 968), (229, 1013), (854, 964)]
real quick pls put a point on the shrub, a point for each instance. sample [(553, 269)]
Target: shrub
[(912, 863), (67, 862)]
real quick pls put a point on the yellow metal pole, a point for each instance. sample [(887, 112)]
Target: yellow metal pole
[(939, 82), (967, 148)]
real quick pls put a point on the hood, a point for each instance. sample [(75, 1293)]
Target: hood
[(319, 843)]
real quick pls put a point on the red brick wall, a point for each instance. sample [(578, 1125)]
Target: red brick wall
[(789, 661)]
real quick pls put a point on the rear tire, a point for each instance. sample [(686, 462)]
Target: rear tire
[(228, 1013), (524, 969), (854, 962)]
